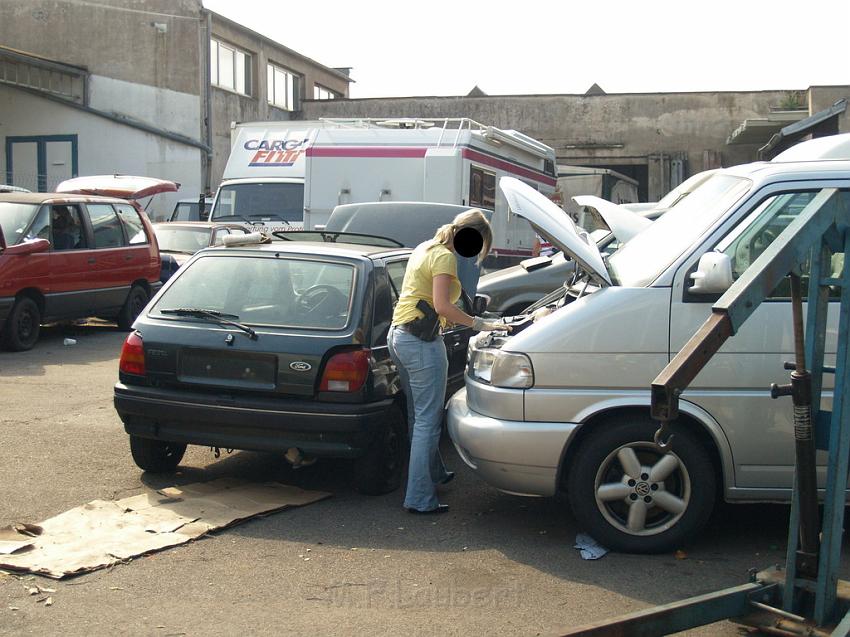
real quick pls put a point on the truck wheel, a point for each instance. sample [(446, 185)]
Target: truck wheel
[(23, 325), (156, 456), (381, 468), (633, 498), (133, 306)]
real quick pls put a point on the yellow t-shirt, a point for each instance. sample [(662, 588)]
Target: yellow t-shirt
[(427, 260)]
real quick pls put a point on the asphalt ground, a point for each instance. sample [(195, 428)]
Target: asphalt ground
[(348, 565)]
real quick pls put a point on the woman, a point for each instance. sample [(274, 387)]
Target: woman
[(420, 356)]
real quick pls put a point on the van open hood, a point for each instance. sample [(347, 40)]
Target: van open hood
[(553, 224), (624, 223), (122, 186)]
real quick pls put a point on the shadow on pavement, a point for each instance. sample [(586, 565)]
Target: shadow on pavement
[(92, 338)]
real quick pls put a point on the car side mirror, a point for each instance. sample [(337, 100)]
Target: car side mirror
[(28, 247), (713, 274), (479, 305), (2, 240)]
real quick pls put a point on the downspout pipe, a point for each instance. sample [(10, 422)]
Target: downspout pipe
[(206, 90)]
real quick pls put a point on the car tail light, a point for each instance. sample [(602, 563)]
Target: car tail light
[(346, 371), (133, 355)]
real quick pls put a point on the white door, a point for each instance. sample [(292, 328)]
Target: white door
[(735, 386), (58, 163), (23, 167)]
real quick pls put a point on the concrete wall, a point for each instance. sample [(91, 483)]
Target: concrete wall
[(230, 107), (112, 38), (604, 130), (104, 147), (822, 97)]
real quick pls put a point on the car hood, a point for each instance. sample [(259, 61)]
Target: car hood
[(624, 223), (123, 186), (555, 225)]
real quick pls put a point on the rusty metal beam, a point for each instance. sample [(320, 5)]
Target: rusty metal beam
[(678, 616)]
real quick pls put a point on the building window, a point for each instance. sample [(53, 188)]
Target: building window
[(284, 88), (230, 68), (322, 93)]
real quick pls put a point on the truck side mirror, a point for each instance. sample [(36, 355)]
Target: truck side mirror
[(713, 274), (479, 305)]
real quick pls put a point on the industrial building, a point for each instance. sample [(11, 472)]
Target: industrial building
[(146, 87)]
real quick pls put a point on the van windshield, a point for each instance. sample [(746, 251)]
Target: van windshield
[(644, 258), (272, 200), (15, 218)]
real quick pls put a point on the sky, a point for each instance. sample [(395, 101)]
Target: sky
[(520, 47)]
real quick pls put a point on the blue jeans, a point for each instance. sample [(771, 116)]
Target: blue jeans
[(423, 368)]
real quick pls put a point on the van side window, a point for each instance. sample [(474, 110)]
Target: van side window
[(133, 225), (105, 225), (66, 232), (482, 188), (40, 228), (755, 233)]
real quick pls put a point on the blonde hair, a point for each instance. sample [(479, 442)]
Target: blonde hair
[(473, 218)]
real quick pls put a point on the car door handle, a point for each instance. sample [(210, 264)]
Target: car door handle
[(128, 257), (92, 260)]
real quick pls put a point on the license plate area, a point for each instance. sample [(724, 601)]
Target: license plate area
[(228, 368)]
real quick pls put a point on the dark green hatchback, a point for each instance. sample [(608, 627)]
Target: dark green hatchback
[(275, 347)]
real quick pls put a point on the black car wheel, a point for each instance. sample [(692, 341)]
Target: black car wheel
[(633, 497), (381, 468), (156, 456), (22, 326), (133, 306)]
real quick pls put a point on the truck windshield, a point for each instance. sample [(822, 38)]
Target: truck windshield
[(644, 258), (278, 201), (15, 218)]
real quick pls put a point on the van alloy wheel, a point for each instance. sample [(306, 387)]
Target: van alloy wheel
[(630, 496), (642, 491)]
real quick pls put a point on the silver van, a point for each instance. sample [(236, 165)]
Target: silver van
[(562, 404)]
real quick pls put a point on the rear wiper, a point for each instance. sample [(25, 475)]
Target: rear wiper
[(211, 315)]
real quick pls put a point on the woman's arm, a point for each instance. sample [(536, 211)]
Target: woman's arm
[(442, 304)]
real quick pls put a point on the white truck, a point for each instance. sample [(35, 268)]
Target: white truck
[(294, 173)]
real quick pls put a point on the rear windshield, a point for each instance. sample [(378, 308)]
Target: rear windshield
[(182, 239), (260, 290), (279, 201), (15, 219)]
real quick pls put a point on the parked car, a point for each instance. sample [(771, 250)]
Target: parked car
[(276, 346), (68, 256), (179, 241), (562, 404), (8, 188), (190, 210)]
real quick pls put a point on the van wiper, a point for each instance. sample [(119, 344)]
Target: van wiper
[(211, 315), (220, 217), (269, 215)]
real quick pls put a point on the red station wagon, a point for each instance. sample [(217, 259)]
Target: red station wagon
[(68, 256)]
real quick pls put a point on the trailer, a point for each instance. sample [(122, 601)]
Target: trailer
[(293, 174)]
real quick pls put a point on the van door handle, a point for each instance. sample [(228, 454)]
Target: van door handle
[(92, 260)]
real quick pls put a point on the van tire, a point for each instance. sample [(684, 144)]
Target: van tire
[(381, 468), (135, 303), (23, 325), (635, 522), (156, 456)]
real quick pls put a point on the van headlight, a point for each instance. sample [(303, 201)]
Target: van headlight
[(501, 369)]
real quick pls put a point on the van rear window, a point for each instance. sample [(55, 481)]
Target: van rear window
[(264, 290)]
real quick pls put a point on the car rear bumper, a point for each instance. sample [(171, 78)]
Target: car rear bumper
[(515, 456), (260, 424)]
